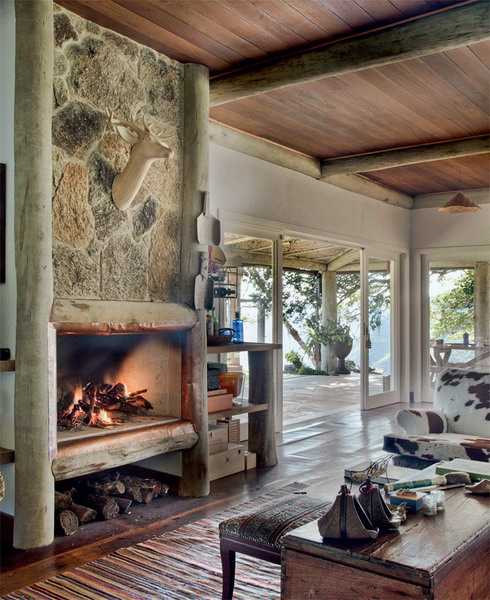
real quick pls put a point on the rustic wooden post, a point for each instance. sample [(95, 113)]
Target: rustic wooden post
[(34, 482), (195, 478), (261, 425)]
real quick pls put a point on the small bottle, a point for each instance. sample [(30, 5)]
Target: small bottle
[(466, 339), (237, 326)]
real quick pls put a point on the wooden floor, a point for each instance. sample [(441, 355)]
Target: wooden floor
[(314, 452)]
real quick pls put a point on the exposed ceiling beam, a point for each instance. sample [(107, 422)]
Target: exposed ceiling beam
[(296, 247), (366, 187), (480, 196), (308, 165), (448, 265), (257, 147), (237, 258), (344, 259), (399, 157), (237, 240), (437, 32)]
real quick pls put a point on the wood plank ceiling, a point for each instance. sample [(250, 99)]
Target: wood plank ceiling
[(297, 253), (436, 98)]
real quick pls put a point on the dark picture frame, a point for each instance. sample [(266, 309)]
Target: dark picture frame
[(3, 221)]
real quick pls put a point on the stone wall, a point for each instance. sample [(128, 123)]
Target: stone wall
[(99, 251)]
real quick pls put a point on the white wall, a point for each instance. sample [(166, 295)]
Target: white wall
[(8, 290), (247, 189), (261, 190), (436, 235), (432, 229)]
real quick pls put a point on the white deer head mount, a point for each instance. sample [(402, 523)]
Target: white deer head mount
[(147, 145)]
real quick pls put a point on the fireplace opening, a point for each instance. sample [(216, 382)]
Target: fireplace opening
[(116, 383)]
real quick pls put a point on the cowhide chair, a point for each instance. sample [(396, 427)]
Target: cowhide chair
[(457, 427)]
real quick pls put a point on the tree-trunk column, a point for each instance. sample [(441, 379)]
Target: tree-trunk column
[(261, 425), (329, 312), (195, 478), (482, 302), (34, 482)]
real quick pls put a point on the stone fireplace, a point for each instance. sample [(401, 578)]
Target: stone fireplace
[(104, 296)]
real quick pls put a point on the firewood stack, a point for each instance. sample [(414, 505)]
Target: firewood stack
[(96, 398), (104, 498)]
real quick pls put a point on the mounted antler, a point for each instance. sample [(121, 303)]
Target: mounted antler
[(147, 145)]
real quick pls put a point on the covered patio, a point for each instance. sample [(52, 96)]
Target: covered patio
[(307, 398)]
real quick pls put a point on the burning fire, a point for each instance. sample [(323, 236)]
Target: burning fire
[(93, 404), (104, 417)]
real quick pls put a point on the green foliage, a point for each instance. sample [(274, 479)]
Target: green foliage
[(309, 371), (261, 279), (452, 312), (302, 302), (349, 296), (330, 333), (294, 359)]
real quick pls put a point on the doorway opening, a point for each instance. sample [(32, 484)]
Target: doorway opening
[(459, 316), (319, 319)]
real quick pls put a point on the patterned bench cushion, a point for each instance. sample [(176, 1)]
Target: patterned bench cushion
[(443, 446), (268, 525)]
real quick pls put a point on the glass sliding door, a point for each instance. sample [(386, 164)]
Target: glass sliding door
[(380, 330)]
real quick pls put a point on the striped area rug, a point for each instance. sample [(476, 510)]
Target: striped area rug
[(183, 564)]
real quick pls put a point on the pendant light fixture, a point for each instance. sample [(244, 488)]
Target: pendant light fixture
[(459, 204)]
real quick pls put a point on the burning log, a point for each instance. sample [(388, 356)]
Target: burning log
[(138, 393), (95, 401), (67, 522)]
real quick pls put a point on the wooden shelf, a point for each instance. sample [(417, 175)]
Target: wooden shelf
[(243, 347), (238, 410), (6, 456), (7, 366)]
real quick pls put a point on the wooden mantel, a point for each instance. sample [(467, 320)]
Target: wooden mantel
[(102, 317), (84, 456)]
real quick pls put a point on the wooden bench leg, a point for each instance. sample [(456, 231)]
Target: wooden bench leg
[(228, 557)]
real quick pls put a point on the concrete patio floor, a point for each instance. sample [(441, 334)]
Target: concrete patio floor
[(308, 397)]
